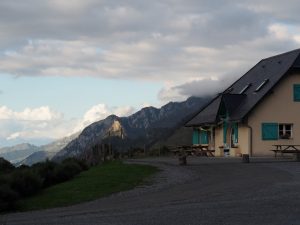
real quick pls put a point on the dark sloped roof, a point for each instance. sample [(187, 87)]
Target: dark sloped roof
[(268, 71), (232, 102), (208, 114)]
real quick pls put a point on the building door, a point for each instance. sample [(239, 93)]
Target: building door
[(234, 135)]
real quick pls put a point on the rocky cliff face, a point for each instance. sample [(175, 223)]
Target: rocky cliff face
[(143, 128)]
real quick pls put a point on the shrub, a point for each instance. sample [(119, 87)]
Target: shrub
[(26, 182), (66, 171), (6, 166), (82, 163), (8, 198), (46, 172), (4, 179)]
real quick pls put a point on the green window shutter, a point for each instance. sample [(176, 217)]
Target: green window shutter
[(236, 132), (297, 92), (203, 137), (224, 132), (195, 137), (269, 131)]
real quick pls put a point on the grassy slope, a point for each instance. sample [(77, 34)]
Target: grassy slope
[(97, 182)]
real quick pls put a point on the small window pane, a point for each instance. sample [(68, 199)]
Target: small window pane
[(245, 88), (280, 133), (285, 131), (297, 92), (261, 85)]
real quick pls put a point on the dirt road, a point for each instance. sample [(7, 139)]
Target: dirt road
[(206, 191)]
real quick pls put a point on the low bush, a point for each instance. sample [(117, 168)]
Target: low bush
[(8, 198), (4, 179), (46, 172), (82, 163), (26, 182), (66, 171)]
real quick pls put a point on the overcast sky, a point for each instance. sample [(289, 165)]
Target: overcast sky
[(65, 64)]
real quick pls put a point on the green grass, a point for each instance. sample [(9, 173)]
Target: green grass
[(97, 182)]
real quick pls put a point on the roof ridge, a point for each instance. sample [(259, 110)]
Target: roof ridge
[(281, 54)]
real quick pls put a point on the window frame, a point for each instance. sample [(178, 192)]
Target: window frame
[(245, 88), (295, 97), (265, 81), (281, 132), (284, 131)]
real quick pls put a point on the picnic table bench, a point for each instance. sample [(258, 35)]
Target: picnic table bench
[(282, 149), (199, 150)]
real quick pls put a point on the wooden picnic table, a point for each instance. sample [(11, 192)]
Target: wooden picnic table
[(286, 148), (199, 150)]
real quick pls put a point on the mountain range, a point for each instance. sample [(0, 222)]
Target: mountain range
[(145, 129), (19, 152), (29, 154), (148, 128)]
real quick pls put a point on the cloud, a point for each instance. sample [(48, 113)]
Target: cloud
[(13, 136), (158, 40), (101, 111), (32, 123), (207, 87), (43, 113), (40, 124), (191, 47)]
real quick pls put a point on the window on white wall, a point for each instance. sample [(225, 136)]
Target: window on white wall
[(285, 131), (275, 131)]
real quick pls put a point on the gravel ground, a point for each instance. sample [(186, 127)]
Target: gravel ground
[(206, 191)]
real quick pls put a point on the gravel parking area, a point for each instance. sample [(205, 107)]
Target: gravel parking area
[(206, 191)]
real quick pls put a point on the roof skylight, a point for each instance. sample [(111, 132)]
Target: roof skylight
[(245, 88), (261, 85)]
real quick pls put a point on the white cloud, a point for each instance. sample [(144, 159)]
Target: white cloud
[(177, 43), (43, 123), (32, 123), (280, 31), (95, 113), (123, 111), (101, 111), (158, 40), (43, 113), (13, 136)]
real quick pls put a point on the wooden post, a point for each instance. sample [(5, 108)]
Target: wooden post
[(297, 156), (182, 160), (245, 158)]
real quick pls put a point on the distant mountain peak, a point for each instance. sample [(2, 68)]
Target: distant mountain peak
[(143, 128), (28, 154)]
